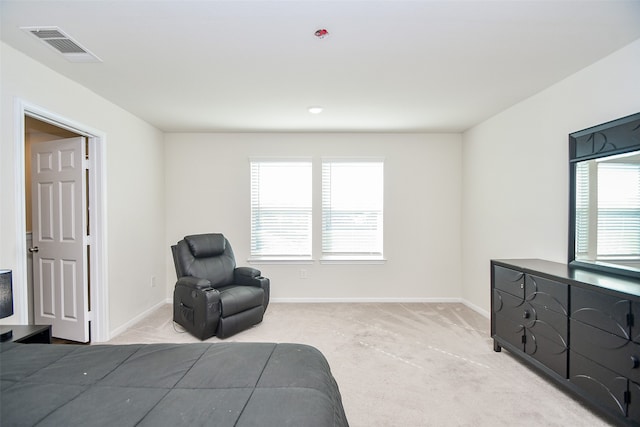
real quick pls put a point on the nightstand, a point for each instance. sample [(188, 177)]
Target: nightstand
[(29, 334)]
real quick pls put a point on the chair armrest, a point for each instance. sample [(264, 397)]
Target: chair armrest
[(196, 306), (247, 271), (249, 276), (193, 282)]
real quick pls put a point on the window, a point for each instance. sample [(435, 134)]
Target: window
[(582, 209), (618, 210), (607, 210), (352, 209), (281, 209)]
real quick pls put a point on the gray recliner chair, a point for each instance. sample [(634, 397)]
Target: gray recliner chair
[(212, 296)]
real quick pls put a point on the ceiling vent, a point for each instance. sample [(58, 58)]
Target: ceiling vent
[(55, 38)]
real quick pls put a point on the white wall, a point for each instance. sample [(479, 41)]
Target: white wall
[(501, 188), (134, 175), (207, 190), (515, 168)]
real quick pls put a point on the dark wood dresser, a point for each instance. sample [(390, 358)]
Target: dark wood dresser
[(581, 328)]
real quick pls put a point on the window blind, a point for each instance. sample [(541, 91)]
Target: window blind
[(582, 208), (281, 194), (618, 209), (352, 209)]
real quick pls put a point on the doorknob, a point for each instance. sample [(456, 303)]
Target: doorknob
[(34, 249)]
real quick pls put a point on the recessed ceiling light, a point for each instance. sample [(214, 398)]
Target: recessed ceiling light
[(315, 110)]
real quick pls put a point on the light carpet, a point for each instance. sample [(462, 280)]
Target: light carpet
[(405, 365)]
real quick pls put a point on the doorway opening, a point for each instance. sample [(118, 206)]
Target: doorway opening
[(39, 126), (36, 132)]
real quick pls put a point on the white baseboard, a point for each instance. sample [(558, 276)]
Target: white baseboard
[(117, 331), (477, 309), (472, 306), (365, 300)]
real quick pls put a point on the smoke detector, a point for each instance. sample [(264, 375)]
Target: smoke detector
[(321, 33), (62, 43)]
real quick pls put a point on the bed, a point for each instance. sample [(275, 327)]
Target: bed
[(218, 384)]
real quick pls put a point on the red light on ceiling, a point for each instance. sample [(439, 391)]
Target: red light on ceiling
[(321, 33)]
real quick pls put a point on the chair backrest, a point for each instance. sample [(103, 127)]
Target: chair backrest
[(208, 256)]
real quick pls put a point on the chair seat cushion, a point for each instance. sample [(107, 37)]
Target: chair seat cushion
[(235, 299)]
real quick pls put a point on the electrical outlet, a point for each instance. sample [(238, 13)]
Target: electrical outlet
[(153, 281), (303, 273)]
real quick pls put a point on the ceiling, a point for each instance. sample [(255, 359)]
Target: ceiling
[(386, 66)]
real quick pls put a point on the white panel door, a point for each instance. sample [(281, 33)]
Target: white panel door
[(59, 223)]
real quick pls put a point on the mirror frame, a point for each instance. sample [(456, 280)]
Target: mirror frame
[(615, 137)]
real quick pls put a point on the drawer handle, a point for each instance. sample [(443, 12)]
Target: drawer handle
[(635, 362)]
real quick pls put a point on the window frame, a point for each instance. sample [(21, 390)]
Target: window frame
[(615, 214), (302, 258), (354, 257), (600, 223)]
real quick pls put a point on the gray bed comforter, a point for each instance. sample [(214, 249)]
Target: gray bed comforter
[(220, 384)]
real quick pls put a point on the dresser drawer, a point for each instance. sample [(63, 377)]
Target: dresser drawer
[(509, 331), (548, 294), (603, 311), (635, 329), (511, 281), (508, 305), (599, 383), (551, 352), (633, 411), (609, 350), (549, 323)]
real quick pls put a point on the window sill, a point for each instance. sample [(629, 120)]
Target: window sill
[(339, 260), (282, 260)]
